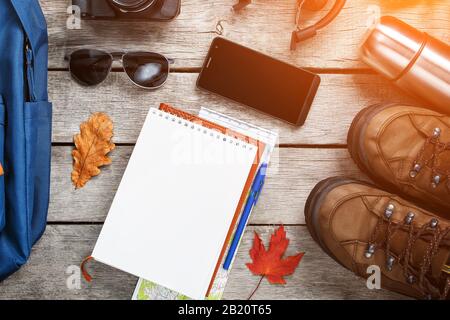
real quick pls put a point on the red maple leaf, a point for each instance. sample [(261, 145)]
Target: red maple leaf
[(270, 263)]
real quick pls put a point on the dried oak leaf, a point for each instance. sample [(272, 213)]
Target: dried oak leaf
[(92, 145)]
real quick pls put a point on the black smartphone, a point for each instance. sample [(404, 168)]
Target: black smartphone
[(258, 81)]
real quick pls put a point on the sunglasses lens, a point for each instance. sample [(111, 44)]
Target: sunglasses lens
[(90, 67), (148, 70)]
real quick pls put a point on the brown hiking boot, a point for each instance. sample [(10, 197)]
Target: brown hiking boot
[(360, 226), (405, 150)]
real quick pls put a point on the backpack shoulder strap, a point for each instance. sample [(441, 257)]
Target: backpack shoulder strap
[(32, 20)]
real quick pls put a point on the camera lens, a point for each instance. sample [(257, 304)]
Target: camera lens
[(132, 5)]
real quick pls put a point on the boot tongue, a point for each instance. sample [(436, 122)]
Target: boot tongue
[(439, 262), (418, 251), (446, 267)]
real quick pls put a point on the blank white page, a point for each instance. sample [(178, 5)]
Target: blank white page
[(175, 203)]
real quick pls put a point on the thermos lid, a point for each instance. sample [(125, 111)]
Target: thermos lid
[(390, 46)]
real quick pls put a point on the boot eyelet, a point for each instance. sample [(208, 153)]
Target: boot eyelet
[(437, 132), (434, 222), (389, 211), (370, 251), (411, 279), (390, 263), (415, 171), (409, 217), (436, 181)]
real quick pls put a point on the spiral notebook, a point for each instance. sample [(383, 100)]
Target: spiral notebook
[(176, 203)]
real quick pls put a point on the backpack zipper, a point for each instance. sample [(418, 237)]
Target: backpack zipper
[(29, 71)]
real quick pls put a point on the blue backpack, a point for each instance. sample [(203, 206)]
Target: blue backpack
[(25, 131)]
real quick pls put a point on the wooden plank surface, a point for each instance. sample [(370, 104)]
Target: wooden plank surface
[(293, 174), (338, 100), (266, 25), (308, 154), (45, 277)]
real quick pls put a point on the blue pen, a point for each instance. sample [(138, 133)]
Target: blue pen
[(251, 202)]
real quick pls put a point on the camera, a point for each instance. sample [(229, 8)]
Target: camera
[(150, 10)]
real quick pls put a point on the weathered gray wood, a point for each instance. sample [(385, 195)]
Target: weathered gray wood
[(338, 100), (44, 277), (266, 26), (293, 174)]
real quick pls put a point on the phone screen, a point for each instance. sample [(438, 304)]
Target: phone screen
[(259, 81)]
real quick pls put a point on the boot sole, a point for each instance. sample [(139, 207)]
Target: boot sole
[(354, 137)]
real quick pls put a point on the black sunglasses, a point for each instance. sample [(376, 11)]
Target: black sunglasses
[(146, 70)]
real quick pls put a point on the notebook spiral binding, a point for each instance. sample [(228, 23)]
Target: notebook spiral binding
[(199, 125)]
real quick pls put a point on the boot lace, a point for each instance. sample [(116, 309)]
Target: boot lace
[(431, 233), (429, 157)]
